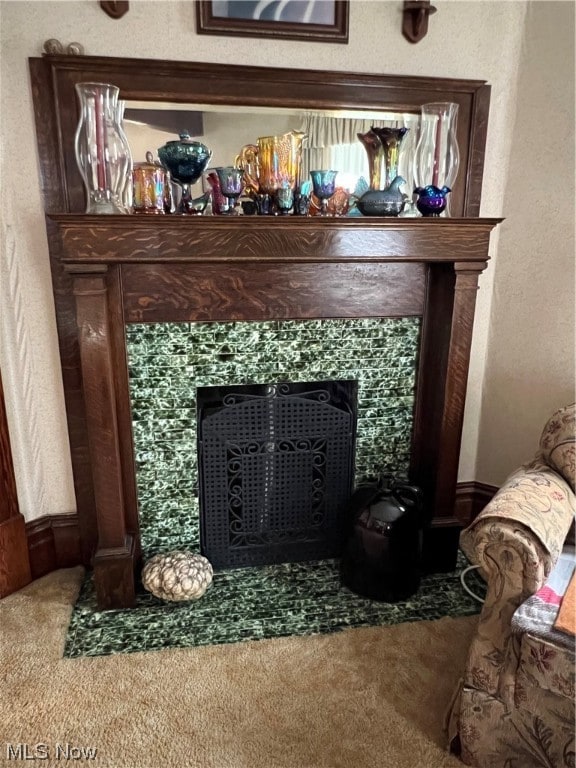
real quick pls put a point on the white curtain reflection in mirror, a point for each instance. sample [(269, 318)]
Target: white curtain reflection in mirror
[(333, 136), (333, 143)]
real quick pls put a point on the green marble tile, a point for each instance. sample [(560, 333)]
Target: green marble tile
[(168, 361), (255, 603)]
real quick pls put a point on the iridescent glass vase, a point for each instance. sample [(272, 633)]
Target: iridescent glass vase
[(219, 201), (432, 200), (382, 145), (391, 140), (149, 187), (102, 150), (324, 185), (437, 155), (231, 185), (272, 163), (375, 153)]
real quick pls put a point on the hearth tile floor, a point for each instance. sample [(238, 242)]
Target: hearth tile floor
[(255, 603)]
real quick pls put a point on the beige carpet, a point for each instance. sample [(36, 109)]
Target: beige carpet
[(363, 698)]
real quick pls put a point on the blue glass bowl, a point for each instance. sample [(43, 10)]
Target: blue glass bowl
[(186, 159)]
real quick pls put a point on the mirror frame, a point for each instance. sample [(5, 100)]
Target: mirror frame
[(57, 111)]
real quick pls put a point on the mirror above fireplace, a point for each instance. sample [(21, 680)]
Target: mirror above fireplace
[(234, 88), (332, 140)]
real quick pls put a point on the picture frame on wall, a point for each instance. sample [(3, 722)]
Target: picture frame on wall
[(324, 21)]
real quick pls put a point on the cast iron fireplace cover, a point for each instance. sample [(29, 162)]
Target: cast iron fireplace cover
[(276, 469)]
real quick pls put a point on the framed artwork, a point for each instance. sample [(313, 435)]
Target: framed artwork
[(313, 20)]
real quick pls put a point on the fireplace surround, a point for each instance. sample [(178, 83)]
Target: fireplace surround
[(113, 271), (151, 272), (168, 362)]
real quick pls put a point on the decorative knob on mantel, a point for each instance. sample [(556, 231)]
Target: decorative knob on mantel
[(54, 47)]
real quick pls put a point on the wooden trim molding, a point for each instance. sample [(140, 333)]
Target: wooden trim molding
[(53, 542), (14, 563), (9, 497), (471, 498)]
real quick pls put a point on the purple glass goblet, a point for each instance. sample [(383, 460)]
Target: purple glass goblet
[(231, 185), (324, 185)]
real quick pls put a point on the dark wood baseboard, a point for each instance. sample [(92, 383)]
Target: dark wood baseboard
[(471, 498), (53, 542), (440, 545)]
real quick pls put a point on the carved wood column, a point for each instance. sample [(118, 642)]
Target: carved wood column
[(14, 559), (465, 291), (447, 337), (114, 560)]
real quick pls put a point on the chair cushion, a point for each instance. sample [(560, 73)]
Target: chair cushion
[(558, 443), (538, 613)]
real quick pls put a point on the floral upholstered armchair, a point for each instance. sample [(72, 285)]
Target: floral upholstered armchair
[(514, 707)]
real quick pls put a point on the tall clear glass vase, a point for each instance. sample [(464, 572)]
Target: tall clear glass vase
[(102, 150), (126, 195), (437, 155)]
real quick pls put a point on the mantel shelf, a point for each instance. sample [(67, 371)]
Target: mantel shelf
[(143, 239), (297, 222)]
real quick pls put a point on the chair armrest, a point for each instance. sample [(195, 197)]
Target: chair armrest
[(536, 502), (516, 541)]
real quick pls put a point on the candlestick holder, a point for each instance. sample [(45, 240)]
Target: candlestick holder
[(437, 155), (102, 150)]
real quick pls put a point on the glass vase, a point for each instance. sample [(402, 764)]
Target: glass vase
[(391, 140), (437, 156), (102, 150), (126, 192), (382, 145)]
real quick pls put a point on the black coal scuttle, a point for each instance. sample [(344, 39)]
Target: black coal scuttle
[(382, 553)]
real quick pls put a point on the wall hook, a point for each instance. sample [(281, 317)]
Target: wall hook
[(114, 8), (415, 19)]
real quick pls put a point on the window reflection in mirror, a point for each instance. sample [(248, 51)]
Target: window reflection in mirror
[(331, 135)]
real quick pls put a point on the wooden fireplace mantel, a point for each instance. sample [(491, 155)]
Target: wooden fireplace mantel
[(111, 270), (174, 238), (127, 269)]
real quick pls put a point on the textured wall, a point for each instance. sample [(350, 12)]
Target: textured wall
[(461, 43), (530, 364)]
